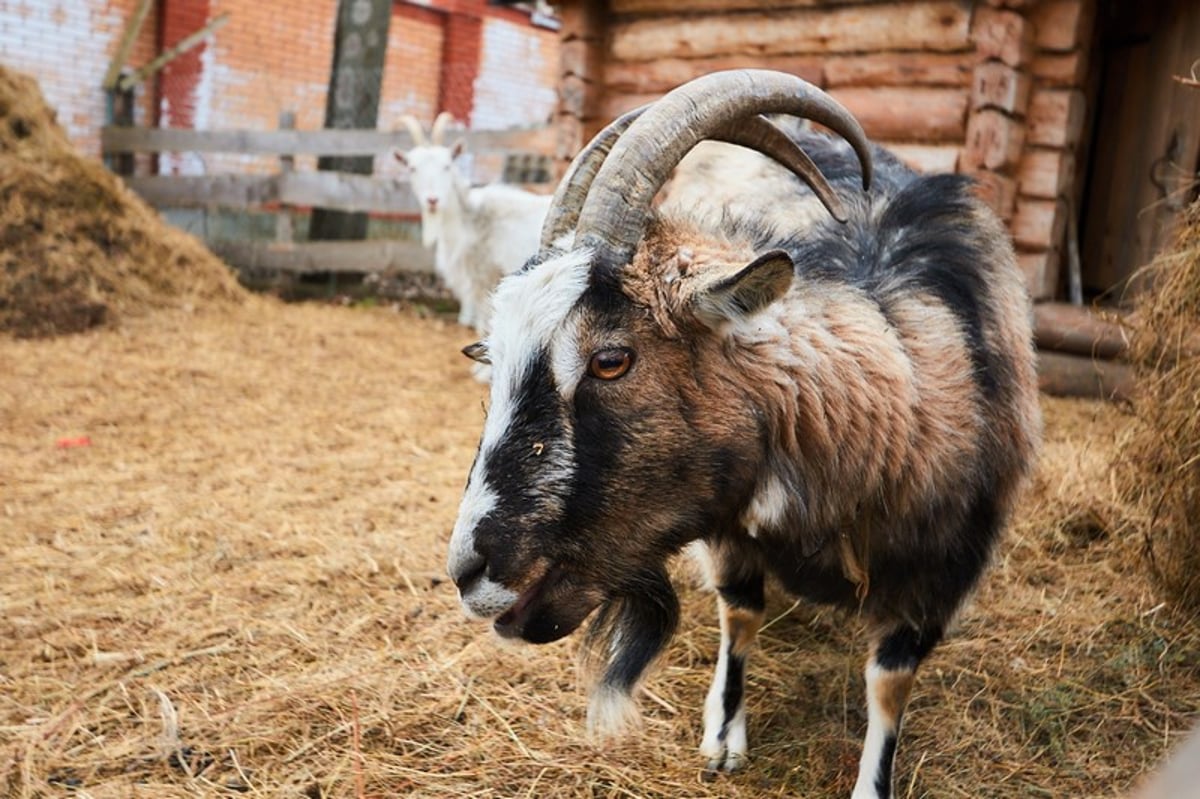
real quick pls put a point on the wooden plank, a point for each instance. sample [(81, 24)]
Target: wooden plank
[(361, 257), (296, 142), (1003, 35), (993, 141), (939, 25), (664, 74), (1061, 70), (998, 191), (1055, 117), (338, 190), (997, 85), (1045, 174), (1039, 224), (708, 6), (1062, 25), (898, 69), (1078, 330), (932, 159), (1041, 273), (915, 114), (1079, 376)]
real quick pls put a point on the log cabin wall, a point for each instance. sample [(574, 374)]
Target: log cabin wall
[(992, 88)]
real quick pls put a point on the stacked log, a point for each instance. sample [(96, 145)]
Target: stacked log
[(1081, 352)]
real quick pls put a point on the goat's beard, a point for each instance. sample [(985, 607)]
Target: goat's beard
[(431, 228), (629, 632)]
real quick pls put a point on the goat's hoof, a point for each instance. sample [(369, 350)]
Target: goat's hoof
[(723, 763)]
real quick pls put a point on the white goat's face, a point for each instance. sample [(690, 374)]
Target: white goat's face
[(433, 179), (608, 445)]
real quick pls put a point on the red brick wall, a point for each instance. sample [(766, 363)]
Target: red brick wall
[(67, 45), (483, 63)]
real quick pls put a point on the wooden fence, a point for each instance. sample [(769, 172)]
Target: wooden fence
[(287, 189)]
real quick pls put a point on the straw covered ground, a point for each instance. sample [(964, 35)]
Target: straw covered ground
[(224, 537)]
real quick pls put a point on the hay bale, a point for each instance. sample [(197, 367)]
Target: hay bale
[(1159, 475), (77, 248)]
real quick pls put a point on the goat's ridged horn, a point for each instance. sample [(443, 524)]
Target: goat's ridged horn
[(614, 216), (762, 135), (439, 127), (573, 188), (414, 130)]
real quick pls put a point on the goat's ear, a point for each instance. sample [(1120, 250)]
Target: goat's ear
[(458, 148), (477, 352), (752, 288), (401, 157)]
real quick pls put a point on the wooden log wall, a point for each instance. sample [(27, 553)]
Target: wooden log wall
[(992, 88)]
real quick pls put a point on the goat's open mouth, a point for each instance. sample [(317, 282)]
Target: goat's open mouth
[(511, 623)]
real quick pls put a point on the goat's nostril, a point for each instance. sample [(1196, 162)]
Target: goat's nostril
[(469, 572)]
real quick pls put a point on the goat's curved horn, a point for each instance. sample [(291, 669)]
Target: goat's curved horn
[(614, 216), (757, 133), (573, 188), (414, 130), (439, 127)]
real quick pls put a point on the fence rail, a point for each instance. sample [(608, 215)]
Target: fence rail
[(287, 189)]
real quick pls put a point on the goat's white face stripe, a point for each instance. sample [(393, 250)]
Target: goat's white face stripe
[(530, 309)]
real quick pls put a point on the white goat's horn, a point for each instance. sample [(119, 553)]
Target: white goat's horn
[(414, 130), (439, 127)]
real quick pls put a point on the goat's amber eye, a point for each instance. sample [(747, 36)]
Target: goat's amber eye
[(610, 364)]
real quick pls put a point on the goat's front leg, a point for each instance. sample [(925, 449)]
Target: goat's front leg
[(890, 672), (741, 606)]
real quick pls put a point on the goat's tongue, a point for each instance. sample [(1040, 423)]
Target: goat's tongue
[(511, 622)]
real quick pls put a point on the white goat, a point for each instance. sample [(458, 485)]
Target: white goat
[(480, 234)]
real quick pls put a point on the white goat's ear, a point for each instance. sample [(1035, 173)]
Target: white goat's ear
[(458, 148), (401, 157), (752, 288), (477, 352)]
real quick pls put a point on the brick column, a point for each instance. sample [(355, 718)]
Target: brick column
[(180, 79), (462, 46)]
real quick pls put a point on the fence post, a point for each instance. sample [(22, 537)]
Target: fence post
[(287, 163)]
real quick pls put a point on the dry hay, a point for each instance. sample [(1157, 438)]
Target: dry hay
[(1160, 468), (78, 249), (237, 587)]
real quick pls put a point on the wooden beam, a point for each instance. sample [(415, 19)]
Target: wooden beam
[(128, 37), (1044, 173), (915, 114), (362, 257), (937, 25), (1041, 273), (1039, 224), (1079, 376), (1073, 329), (1055, 117), (1062, 25), (1002, 35), (182, 46), (299, 142), (997, 85), (993, 141), (998, 191), (1062, 70), (664, 74), (897, 69), (932, 159)]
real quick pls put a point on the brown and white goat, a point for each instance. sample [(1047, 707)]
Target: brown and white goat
[(847, 407)]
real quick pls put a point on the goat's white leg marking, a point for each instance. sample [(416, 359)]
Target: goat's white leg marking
[(725, 743), (887, 694), (611, 713)]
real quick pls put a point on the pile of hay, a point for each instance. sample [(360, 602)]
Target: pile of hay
[(1160, 473), (78, 249)]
